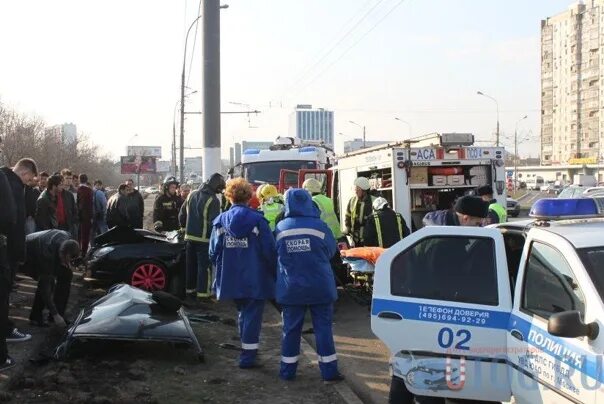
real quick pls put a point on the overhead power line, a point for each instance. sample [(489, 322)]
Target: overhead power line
[(351, 46), (194, 43), (309, 70)]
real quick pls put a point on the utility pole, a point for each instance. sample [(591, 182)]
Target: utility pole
[(363, 136), (173, 168), (211, 159), (515, 150)]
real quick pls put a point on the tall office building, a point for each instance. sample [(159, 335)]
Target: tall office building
[(312, 124), (571, 95)]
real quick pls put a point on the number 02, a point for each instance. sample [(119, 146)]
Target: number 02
[(446, 338)]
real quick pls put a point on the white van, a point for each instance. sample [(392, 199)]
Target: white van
[(535, 183)]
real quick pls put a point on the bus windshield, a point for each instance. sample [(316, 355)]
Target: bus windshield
[(268, 171)]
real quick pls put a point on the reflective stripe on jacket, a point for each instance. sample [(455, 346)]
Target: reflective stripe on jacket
[(500, 211), (270, 212), (328, 214), (202, 207), (356, 215)]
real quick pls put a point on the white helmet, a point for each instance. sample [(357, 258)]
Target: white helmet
[(312, 185), (379, 203), (362, 183)]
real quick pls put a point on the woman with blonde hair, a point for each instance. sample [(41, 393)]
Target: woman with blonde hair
[(242, 249)]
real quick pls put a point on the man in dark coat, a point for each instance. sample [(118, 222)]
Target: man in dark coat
[(8, 217), (50, 254), (136, 206), (22, 173), (46, 205), (117, 208), (85, 211)]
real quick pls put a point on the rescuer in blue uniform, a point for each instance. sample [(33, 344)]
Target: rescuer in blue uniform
[(242, 249), (305, 245)]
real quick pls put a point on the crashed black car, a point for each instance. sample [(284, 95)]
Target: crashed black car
[(141, 258)]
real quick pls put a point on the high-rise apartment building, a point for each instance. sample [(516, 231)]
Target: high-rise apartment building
[(571, 88), (312, 124)]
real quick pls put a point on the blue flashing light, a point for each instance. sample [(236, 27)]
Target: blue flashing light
[(251, 151), (564, 208), (308, 149)]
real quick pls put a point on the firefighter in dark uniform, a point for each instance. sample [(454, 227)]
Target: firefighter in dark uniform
[(384, 227), (359, 207), (166, 207)]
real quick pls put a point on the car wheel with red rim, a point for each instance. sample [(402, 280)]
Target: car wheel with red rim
[(149, 275)]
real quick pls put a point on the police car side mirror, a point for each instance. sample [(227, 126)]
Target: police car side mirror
[(568, 324)]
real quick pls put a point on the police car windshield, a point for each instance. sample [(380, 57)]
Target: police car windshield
[(593, 260), (571, 192), (268, 171)]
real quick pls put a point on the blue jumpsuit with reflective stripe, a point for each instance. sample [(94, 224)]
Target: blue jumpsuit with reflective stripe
[(305, 280)]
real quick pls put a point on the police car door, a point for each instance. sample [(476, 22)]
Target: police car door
[(548, 368), (441, 303)]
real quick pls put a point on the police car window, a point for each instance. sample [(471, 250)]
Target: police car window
[(549, 284), (451, 268), (593, 260)]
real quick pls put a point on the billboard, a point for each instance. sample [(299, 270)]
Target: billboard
[(154, 151), (138, 165)]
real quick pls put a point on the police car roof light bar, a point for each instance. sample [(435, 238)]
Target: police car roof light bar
[(551, 209)]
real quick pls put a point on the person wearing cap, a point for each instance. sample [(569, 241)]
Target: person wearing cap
[(358, 209), (325, 205), (305, 246), (200, 210), (497, 213), (271, 205), (166, 207), (467, 211), (384, 227)]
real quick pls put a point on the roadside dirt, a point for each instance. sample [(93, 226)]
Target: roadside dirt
[(107, 372)]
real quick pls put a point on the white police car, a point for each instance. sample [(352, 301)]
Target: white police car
[(513, 310)]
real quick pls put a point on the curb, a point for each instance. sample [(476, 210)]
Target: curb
[(342, 388)]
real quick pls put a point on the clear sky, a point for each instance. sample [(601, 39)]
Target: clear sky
[(113, 67)]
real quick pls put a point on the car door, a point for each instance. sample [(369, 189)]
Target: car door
[(547, 368), (441, 303)]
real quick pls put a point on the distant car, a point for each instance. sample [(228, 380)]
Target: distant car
[(544, 188), (513, 207), (554, 189), (141, 258), (151, 190)]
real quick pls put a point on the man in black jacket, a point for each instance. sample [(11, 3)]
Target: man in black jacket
[(384, 227), (50, 254), (22, 173), (8, 217), (46, 205), (117, 208), (136, 205)]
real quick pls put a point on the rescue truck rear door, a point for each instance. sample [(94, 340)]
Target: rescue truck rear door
[(441, 303)]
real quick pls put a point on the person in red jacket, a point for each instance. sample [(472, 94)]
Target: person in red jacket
[(85, 211)]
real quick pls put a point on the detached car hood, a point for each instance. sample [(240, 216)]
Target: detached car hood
[(128, 235), (128, 313)]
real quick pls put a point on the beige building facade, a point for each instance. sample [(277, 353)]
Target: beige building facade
[(572, 94)]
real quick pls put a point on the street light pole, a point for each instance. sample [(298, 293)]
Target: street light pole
[(363, 126), (516, 151), (182, 103), (497, 106), (405, 122)]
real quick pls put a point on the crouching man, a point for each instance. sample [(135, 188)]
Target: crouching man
[(50, 256)]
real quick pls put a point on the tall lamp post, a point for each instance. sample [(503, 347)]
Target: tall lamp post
[(406, 123), (516, 151), (182, 103), (174, 171), (497, 105), (360, 126)]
